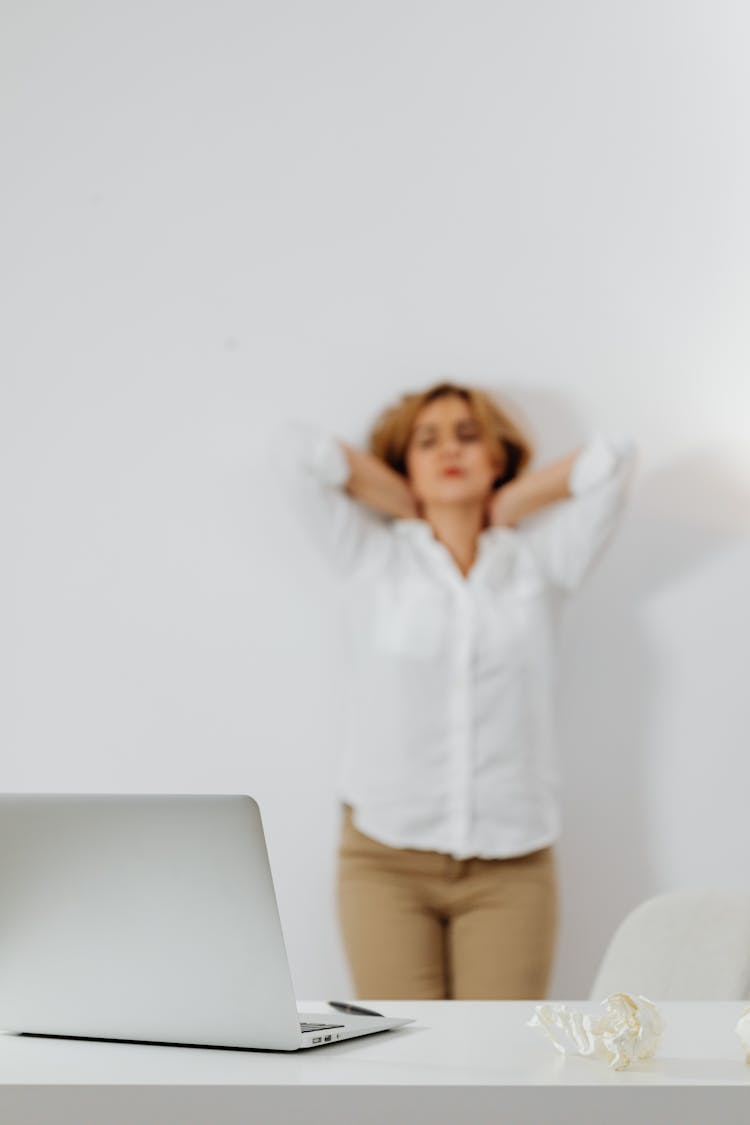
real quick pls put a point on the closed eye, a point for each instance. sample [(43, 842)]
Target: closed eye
[(467, 432)]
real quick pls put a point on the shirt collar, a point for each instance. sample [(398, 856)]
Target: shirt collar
[(494, 551), (413, 528), (420, 529)]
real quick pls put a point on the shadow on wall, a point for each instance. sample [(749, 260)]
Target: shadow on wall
[(679, 519)]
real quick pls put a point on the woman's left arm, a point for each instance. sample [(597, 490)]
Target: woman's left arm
[(571, 506), (531, 492)]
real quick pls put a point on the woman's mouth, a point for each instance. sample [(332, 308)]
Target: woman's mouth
[(453, 471)]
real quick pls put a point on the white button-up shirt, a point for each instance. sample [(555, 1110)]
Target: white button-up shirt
[(450, 719)]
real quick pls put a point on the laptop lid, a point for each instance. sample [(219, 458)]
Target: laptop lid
[(141, 917)]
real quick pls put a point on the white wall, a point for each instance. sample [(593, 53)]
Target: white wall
[(217, 214)]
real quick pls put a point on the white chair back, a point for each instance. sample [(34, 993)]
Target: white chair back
[(687, 945)]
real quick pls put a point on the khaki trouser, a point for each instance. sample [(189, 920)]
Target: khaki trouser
[(421, 925)]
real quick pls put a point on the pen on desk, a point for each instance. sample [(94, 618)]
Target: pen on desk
[(353, 1010)]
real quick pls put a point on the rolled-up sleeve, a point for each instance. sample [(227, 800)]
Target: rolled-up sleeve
[(313, 470), (568, 537)]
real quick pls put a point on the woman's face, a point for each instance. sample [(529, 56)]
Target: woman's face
[(448, 459)]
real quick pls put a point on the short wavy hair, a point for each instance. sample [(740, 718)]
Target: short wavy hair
[(507, 439)]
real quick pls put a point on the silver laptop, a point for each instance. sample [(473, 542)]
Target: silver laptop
[(152, 919)]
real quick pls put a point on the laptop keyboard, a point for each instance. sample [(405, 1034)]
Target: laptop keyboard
[(319, 1026)]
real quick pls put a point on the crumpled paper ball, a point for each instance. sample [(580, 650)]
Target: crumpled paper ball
[(743, 1030), (629, 1031)]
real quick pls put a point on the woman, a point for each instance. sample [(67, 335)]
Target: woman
[(449, 786)]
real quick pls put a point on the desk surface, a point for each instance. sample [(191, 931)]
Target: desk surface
[(452, 1044)]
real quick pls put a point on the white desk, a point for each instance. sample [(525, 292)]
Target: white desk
[(461, 1062)]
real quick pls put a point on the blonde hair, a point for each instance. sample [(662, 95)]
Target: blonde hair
[(391, 434)]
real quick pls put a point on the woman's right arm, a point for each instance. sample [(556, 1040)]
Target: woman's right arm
[(378, 485), (340, 494)]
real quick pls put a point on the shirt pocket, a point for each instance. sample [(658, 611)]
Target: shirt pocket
[(528, 582), (410, 620)]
